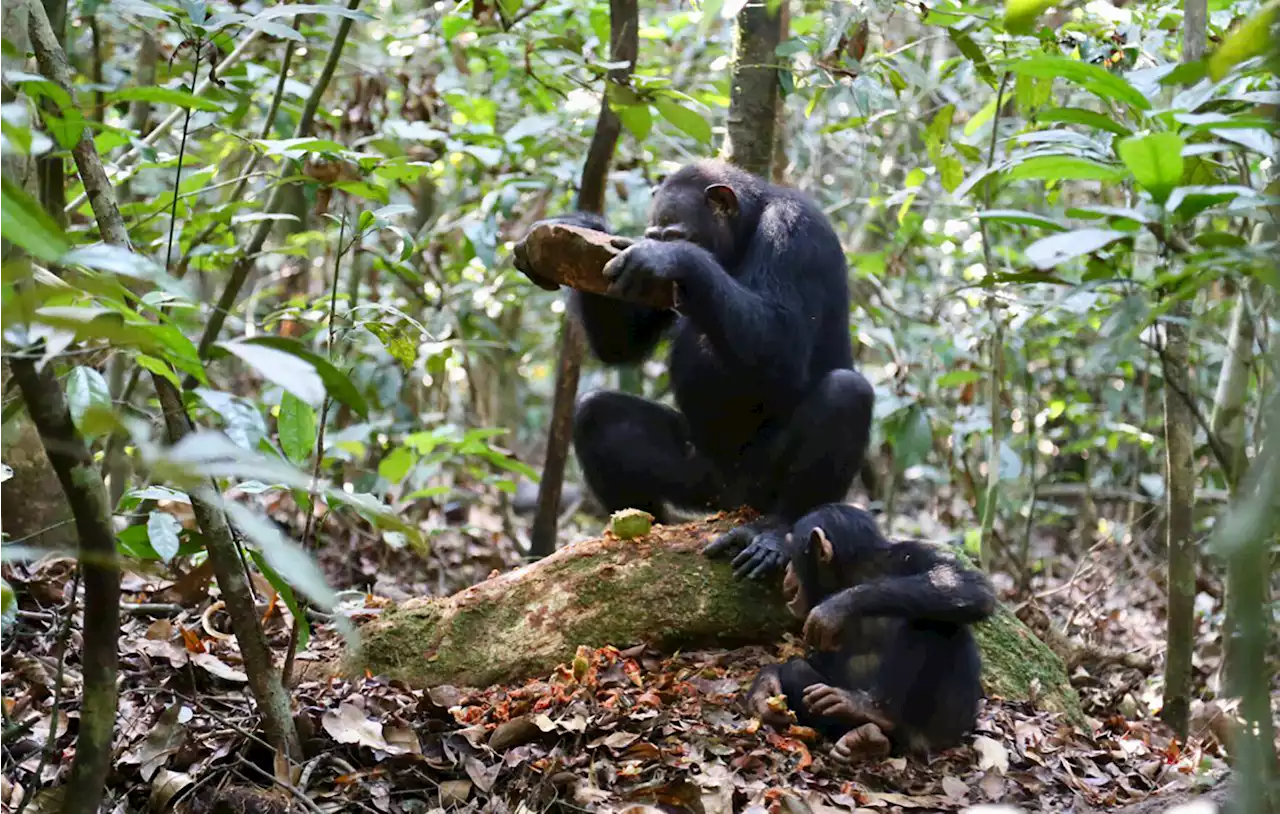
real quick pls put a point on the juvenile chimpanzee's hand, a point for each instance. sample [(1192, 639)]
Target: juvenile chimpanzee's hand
[(764, 552), (823, 627), (766, 687), (642, 261), (854, 708)]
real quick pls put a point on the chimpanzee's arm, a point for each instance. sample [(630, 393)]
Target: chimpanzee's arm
[(922, 583), (765, 318), (619, 332)]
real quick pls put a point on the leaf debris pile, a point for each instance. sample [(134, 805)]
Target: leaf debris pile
[(609, 731)]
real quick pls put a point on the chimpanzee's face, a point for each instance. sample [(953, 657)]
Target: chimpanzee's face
[(794, 594), (687, 212)]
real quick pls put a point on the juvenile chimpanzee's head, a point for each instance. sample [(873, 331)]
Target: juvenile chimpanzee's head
[(831, 548), (708, 203)]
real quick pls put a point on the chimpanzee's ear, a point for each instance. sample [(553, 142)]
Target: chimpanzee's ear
[(821, 545), (723, 200)]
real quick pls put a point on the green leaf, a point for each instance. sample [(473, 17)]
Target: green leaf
[(980, 118), (1155, 161), (335, 381), (297, 428), (958, 378), (1250, 39), (162, 531), (395, 466), (913, 440), (8, 604), (950, 172), (1020, 15), (276, 12), (688, 120), (1087, 118), (86, 389), (25, 223), (284, 369), (1065, 168), (241, 420), (1095, 79), (286, 593), (1057, 249), (638, 119), (165, 96), (283, 555), (973, 52), (1021, 218), (158, 367)]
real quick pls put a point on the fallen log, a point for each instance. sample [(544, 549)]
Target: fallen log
[(657, 589), (575, 256)]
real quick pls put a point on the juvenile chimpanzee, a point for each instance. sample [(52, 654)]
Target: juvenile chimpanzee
[(892, 663), (770, 413)]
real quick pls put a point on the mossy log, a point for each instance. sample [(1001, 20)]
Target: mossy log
[(575, 256), (657, 589)]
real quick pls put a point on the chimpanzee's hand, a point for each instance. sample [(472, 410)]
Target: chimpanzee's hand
[(644, 260), (823, 627), (764, 552), (520, 255), (852, 707), (760, 705)]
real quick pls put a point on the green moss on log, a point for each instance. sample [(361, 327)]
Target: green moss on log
[(658, 589)]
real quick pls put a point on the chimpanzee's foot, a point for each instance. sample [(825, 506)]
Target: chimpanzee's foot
[(867, 742), (765, 550)]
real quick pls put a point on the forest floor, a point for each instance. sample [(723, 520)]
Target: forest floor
[(613, 731)]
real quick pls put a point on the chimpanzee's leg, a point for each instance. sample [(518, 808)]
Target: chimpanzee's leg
[(817, 455), (929, 685), (809, 461), (636, 454)]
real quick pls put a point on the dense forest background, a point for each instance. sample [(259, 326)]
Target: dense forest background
[(259, 309)]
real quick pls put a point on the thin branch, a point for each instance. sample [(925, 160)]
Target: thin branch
[(169, 121), (240, 271)]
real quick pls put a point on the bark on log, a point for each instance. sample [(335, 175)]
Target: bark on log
[(658, 589), (575, 256)]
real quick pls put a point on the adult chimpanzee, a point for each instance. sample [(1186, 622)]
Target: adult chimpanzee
[(892, 663), (770, 412)]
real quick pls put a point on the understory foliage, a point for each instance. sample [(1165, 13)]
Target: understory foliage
[(320, 202)]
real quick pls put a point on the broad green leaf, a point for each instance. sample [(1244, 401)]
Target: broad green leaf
[(636, 118), (1087, 118), (8, 604), (1250, 39), (980, 118), (276, 12), (1065, 168), (165, 96), (286, 593), (1021, 218), (156, 366), (25, 223), (284, 556), (958, 378), (530, 126), (1115, 212), (1155, 161), (162, 532), (284, 369), (685, 118), (297, 428), (241, 420), (913, 439), (86, 389), (1093, 78), (397, 464), (1057, 249), (335, 381), (950, 172), (1020, 15), (126, 263)]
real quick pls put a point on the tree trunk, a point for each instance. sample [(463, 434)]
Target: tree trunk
[(1180, 468), (755, 95), (624, 47), (658, 589)]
